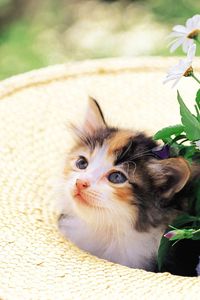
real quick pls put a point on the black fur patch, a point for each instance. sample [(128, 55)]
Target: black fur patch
[(154, 209), (138, 148)]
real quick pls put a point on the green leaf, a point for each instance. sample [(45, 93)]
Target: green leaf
[(198, 112), (192, 126), (189, 233), (198, 99), (168, 132), (189, 152), (164, 247), (196, 236), (184, 219)]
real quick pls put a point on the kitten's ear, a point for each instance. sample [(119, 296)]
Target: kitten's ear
[(170, 175), (94, 118), (93, 121)]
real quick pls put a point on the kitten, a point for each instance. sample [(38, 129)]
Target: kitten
[(117, 197)]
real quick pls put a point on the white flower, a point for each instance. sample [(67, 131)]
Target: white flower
[(185, 35), (183, 68), (198, 144)]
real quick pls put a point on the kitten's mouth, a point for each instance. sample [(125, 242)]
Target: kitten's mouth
[(81, 198)]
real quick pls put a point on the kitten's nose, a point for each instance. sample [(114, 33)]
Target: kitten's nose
[(82, 184)]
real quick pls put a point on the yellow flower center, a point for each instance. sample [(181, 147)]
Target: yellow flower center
[(193, 34), (188, 72)]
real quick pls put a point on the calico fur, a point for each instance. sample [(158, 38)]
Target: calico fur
[(123, 222)]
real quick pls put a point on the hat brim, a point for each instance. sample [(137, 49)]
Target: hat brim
[(35, 108)]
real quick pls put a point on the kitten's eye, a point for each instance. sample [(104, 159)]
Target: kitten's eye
[(81, 163), (117, 177)]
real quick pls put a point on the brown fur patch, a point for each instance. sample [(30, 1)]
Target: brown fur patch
[(73, 155), (172, 173), (77, 148), (124, 194), (67, 170), (136, 177), (119, 140)]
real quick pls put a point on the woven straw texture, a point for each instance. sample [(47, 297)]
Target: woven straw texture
[(35, 108)]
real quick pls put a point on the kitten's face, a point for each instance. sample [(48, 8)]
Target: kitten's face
[(111, 175), (96, 179)]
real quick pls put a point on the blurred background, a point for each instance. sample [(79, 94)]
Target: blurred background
[(38, 33)]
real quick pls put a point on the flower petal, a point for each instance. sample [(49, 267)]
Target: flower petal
[(175, 83), (191, 52), (193, 23), (175, 34), (170, 234), (179, 28), (176, 72), (198, 144), (186, 44), (195, 20), (176, 44), (189, 23), (170, 78)]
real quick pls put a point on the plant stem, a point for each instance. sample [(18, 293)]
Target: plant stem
[(198, 112), (195, 78), (197, 40)]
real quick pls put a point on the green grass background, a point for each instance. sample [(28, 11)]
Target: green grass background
[(41, 33)]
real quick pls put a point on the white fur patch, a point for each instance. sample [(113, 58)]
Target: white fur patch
[(107, 230), (130, 247)]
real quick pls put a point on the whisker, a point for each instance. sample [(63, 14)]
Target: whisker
[(128, 164), (141, 155), (93, 193), (144, 153), (126, 151)]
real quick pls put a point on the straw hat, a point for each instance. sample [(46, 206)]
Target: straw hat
[(35, 108)]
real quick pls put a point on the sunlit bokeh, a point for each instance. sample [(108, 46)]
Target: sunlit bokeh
[(35, 33)]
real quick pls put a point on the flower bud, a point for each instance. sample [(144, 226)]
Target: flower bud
[(170, 234)]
